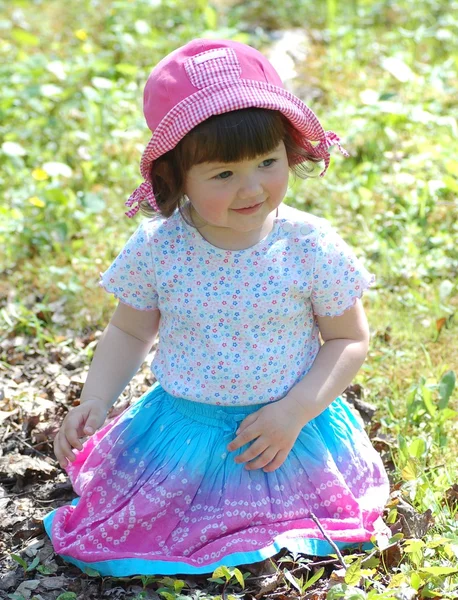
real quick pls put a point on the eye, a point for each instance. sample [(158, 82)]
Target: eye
[(270, 162), (223, 175)]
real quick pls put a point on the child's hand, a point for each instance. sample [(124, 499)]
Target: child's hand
[(275, 428), (81, 421)]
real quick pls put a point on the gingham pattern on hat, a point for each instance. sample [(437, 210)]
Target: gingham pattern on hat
[(216, 87)]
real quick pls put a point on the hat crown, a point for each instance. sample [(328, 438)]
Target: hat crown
[(198, 65)]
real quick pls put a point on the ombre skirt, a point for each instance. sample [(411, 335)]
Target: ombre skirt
[(159, 493)]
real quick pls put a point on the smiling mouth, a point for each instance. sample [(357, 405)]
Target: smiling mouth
[(248, 208)]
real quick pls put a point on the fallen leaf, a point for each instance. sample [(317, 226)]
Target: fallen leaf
[(14, 465), (440, 323), (54, 583), (451, 497), (27, 587), (412, 523)]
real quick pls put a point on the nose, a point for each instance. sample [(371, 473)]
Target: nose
[(250, 187)]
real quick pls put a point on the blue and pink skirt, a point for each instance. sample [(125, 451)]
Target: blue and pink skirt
[(159, 493)]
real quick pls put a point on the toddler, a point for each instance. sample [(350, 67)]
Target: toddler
[(243, 444)]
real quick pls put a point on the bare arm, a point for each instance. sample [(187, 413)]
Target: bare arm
[(346, 342), (120, 352), (275, 427)]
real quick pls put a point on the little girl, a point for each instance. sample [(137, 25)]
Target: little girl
[(243, 446)]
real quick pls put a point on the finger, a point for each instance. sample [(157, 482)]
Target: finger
[(57, 450), (73, 440), (277, 461), (253, 451), (247, 421), (262, 460), (92, 423), (250, 434), (59, 454), (66, 448)]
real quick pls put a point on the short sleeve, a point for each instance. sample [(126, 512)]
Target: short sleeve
[(339, 277), (131, 276)]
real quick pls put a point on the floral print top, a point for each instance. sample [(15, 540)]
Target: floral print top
[(237, 326)]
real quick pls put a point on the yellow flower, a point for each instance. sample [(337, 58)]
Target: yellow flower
[(81, 34), (36, 202), (39, 174)]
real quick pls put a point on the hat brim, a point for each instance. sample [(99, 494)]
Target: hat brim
[(225, 97)]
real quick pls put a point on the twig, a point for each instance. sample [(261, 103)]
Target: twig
[(328, 539), (6, 433), (17, 495), (371, 555), (29, 446), (319, 563)]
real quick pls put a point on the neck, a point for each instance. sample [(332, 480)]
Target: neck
[(226, 238)]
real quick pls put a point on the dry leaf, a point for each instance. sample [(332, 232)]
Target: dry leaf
[(440, 323)]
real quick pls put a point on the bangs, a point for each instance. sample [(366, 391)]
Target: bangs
[(233, 137)]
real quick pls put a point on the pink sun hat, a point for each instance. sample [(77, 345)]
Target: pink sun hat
[(211, 77)]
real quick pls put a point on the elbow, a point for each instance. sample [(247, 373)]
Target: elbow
[(363, 344)]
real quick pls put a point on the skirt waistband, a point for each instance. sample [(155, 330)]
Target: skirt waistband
[(210, 414)]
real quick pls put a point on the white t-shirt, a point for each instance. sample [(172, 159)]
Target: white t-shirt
[(237, 326)]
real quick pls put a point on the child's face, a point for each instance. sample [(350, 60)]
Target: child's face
[(238, 196)]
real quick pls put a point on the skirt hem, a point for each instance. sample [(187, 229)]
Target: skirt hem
[(125, 567)]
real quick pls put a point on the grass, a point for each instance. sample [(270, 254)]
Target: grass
[(381, 74)]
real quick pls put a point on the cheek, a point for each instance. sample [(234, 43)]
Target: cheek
[(280, 185), (210, 207)]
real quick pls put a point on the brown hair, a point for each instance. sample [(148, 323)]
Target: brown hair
[(230, 137)]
